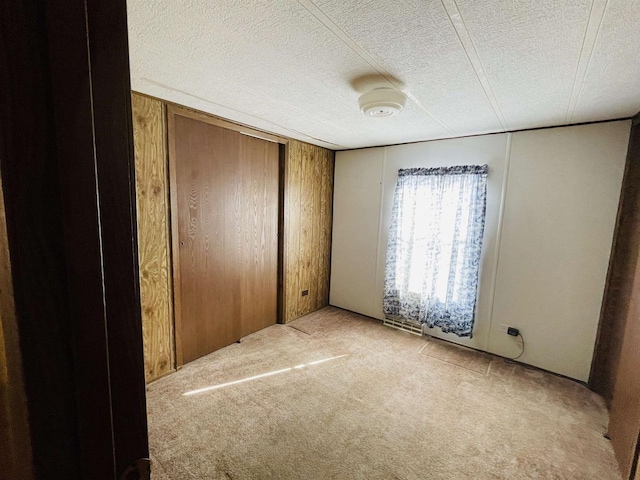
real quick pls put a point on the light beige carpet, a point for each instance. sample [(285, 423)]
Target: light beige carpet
[(382, 405)]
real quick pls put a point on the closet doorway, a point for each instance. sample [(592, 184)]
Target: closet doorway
[(225, 210)]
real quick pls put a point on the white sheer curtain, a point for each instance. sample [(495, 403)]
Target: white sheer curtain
[(435, 240)]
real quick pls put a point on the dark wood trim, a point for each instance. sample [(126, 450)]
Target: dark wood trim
[(16, 458), (171, 279), (620, 272), (282, 294), (491, 133), (67, 169), (615, 362), (113, 134), (221, 121), (597, 373), (77, 172), (173, 219), (29, 168), (333, 183)]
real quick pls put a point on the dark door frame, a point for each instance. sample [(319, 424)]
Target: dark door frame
[(66, 160)]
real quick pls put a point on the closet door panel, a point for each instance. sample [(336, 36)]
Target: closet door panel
[(225, 194), (209, 200), (259, 233)]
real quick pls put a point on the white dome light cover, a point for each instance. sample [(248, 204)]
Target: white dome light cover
[(382, 102)]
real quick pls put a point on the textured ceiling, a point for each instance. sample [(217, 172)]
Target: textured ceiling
[(297, 67)]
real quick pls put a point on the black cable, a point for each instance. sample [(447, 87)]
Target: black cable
[(512, 360), (521, 338)]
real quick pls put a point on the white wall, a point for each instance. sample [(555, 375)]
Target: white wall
[(357, 184), (552, 199)]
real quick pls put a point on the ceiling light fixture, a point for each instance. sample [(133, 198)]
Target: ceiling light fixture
[(382, 102)]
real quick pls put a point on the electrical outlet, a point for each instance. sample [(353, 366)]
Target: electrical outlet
[(514, 332), (509, 330)]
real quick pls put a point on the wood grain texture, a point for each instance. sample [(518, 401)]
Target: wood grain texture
[(259, 185), (153, 235), (225, 214), (292, 216), (208, 235), (306, 209), (308, 222), (617, 360)]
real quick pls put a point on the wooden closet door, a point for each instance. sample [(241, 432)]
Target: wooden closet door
[(225, 215), (259, 233)]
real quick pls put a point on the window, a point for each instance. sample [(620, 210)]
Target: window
[(435, 240)]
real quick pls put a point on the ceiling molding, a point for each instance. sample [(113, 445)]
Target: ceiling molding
[(236, 85), (591, 33), (467, 44), (296, 68), (290, 132)]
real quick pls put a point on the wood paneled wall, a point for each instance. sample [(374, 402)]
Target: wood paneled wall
[(616, 362), (149, 130), (308, 197)]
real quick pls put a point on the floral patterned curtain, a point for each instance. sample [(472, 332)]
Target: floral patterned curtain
[(435, 240)]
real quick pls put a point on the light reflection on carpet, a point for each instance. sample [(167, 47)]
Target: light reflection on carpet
[(262, 375)]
